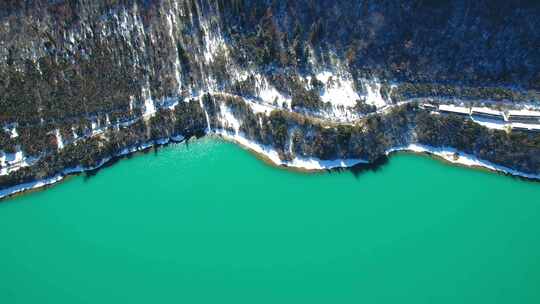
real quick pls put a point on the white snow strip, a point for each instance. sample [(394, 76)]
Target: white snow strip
[(306, 163), (228, 118), (30, 185), (524, 113), (525, 126), (149, 106), (454, 109), (59, 141), (260, 108), (208, 127), (313, 163), (454, 156), (94, 125), (3, 169), (12, 130), (485, 110)]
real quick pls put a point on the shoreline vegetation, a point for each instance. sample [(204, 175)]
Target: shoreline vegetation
[(447, 155), (294, 141)]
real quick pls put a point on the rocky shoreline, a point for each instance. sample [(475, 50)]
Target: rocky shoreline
[(44, 183), (293, 140), (268, 155)]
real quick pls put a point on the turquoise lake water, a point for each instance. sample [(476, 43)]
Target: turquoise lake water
[(210, 223)]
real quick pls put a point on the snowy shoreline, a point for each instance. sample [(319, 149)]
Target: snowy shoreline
[(301, 163), (4, 193), (314, 164), (454, 156)]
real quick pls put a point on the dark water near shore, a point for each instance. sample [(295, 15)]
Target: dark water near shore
[(209, 223)]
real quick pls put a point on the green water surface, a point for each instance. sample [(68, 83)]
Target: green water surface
[(209, 223)]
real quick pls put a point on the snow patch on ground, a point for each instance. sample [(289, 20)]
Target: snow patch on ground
[(338, 90), (340, 114), (94, 126), (228, 118), (12, 162), (268, 93), (3, 169), (131, 101), (59, 141), (260, 108), (149, 106), (373, 93), (208, 127), (12, 130), (213, 44)]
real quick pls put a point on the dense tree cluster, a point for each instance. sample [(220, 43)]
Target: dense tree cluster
[(187, 120), (363, 108), (472, 43), (306, 99), (419, 90), (518, 150), (6, 142), (293, 134)]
